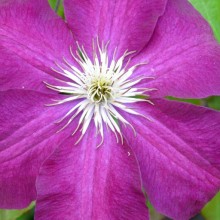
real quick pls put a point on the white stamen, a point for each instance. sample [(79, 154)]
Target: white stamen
[(104, 88)]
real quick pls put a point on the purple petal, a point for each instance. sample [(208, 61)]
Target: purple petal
[(126, 24), (182, 55), (16, 73), (31, 30), (27, 137), (179, 156), (85, 182)]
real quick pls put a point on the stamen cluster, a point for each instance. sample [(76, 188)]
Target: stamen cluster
[(103, 87)]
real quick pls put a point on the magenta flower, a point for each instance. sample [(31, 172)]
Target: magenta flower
[(85, 129)]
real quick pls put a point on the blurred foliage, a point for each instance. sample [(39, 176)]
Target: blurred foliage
[(24, 214), (211, 102), (210, 9), (28, 215), (57, 6), (212, 210)]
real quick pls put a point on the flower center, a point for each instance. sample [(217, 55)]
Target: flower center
[(103, 88), (100, 89)]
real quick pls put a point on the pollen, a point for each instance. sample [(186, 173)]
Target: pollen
[(103, 87)]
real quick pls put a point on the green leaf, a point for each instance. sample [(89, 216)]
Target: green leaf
[(58, 6), (212, 209), (211, 102), (210, 9), (17, 214), (192, 101), (28, 215), (214, 102)]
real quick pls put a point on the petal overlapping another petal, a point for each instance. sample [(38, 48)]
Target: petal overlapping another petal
[(33, 31), (127, 25), (178, 152), (27, 137), (182, 56), (15, 73), (90, 183), (179, 156)]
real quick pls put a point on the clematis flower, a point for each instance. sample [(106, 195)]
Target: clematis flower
[(86, 130)]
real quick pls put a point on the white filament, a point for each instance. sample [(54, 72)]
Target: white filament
[(103, 86)]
